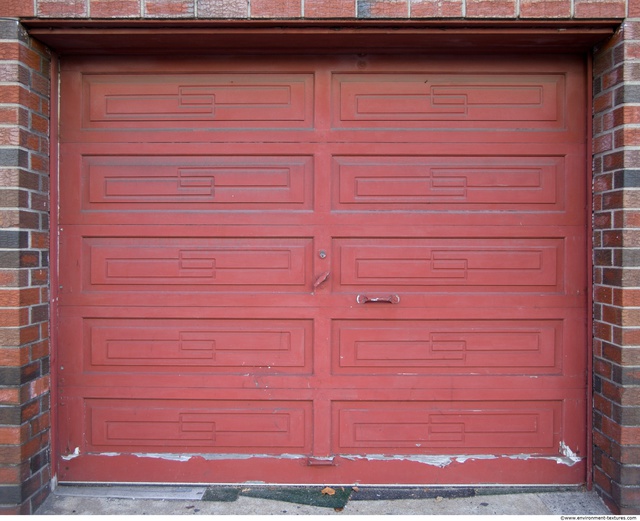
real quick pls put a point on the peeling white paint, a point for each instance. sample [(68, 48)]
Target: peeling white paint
[(568, 457), (73, 455), (568, 453), (212, 457), (436, 461)]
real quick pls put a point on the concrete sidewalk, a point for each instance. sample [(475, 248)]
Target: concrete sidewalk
[(188, 500)]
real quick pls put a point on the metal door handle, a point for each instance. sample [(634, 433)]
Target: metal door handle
[(387, 299)]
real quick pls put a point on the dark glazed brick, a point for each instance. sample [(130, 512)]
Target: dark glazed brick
[(10, 375), (626, 376), (39, 461), (12, 30), (627, 94), (10, 494), (14, 157), (9, 414), (14, 239), (627, 179), (627, 416), (40, 313), (9, 259), (627, 258)]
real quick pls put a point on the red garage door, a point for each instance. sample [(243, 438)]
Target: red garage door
[(323, 269)]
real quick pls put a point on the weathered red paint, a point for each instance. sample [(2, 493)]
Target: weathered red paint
[(269, 263)]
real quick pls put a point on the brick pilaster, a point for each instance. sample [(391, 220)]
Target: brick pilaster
[(616, 181), (24, 262)]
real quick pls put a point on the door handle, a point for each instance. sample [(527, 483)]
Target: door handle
[(385, 299)]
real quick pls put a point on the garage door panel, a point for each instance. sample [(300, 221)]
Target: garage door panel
[(427, 347), (164, 183), (476, 184), (197, 425), (197, 346), (415, 265), (183, 100), (432, 427), (192, 264), (403, 101)]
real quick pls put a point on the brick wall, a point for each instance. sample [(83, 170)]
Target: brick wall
[(24, 241), (24, 351), (260, 9), (617, 269)]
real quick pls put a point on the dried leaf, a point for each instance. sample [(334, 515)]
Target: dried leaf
[(328, 491), (355, 489), (439, 498)]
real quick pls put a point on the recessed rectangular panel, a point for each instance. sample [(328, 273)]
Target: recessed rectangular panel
[(162, 262), (420, 427), (196, 346), (397, 100), (159, 183), (455, 264), (446, 347), (408, 183), (211, 426), (241, 100)]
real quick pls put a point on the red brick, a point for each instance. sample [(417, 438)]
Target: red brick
[(12, 278), (14, 356), (601, 441), (226, 9), (114, 8), (16, 8), (602, 143), (602, 331), (621, 355), (12, 435), (38, 387), (603, 102), (602, 367), (40, 349), (626, 297), (629, 337), (431, 9), (491, 8), (627, 219), (602, 480), (276, 8), (603, 294), (612, 78), (329, 8), (19, 297), (19, 335), (14, 317), (62, 8), (600, 8), (41, 423), (10, 396), (11, 475), (614, 161), (634, 8), (602, 404), (169, 8), (19, 95), (545, 8), (602, 221), (627, 136), (39, 124), (603, 183)]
